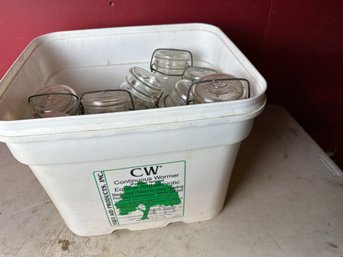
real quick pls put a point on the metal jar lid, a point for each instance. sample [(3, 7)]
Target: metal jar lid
[(171, 61), (218, 87)]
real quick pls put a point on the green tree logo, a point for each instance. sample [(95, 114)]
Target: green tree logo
[(143, 194)]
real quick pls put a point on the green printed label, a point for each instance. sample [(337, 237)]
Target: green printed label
[(142, 193)]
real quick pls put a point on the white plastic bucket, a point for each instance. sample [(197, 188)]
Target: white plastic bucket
[(134, 170)]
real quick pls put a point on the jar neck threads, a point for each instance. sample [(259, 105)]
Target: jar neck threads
[(143, 86)]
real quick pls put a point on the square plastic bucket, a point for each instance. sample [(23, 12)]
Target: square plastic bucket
[(128, 170)]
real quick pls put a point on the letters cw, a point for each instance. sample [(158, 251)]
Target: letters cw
[(139, 172)]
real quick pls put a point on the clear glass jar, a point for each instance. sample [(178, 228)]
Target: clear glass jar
[(168, 65), (54, 101), (219, 87), (144, 88), (196, 73), (179, 95), (104, 101), (181, 89)]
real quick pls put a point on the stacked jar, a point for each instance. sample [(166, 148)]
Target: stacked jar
[(168, 66)]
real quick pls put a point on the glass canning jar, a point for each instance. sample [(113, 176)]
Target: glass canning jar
[(104, 101), (178, 96), (143, 87), (54, 101), (219, 87), (168, 65)]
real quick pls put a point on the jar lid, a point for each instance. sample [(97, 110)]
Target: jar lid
[(53, 101), (215, 88), (171, 61), (195, 73)]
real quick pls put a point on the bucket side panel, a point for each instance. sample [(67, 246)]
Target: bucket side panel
[(79, 199)]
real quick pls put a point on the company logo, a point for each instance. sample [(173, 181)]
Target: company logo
[(150, 170)]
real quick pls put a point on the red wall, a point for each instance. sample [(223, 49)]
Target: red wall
[(296, 44)]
